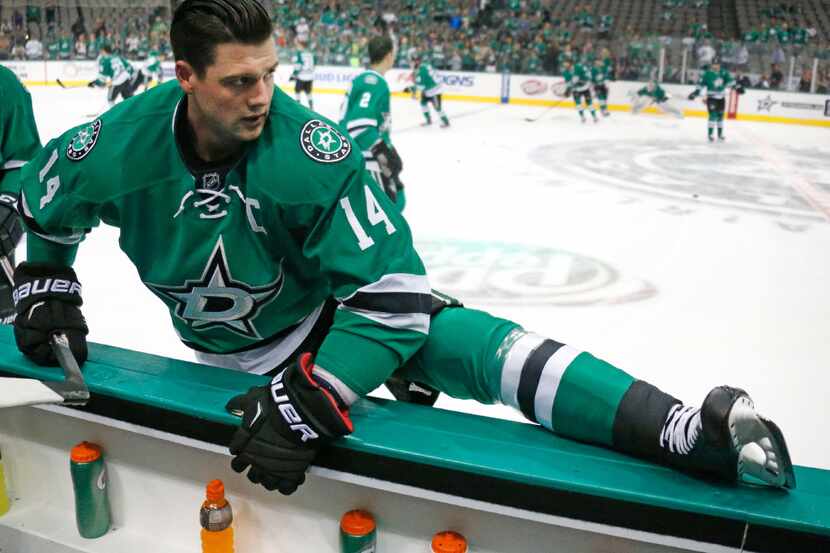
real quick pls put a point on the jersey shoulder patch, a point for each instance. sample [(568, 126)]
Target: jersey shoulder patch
[(323, 143), (371, 79), (83, 141)]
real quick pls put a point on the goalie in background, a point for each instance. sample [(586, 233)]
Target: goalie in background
[(654, 95)]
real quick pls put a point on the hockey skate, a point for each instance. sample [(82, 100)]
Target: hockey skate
[(721, 138), (736, 443), (445, 124)]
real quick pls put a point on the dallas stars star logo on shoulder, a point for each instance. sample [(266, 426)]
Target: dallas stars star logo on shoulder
[(323, 143), (83, 142), (216, 300)]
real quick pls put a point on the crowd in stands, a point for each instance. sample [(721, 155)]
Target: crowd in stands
[(518, 36)]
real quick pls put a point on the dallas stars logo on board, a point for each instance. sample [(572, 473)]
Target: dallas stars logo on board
[(323, 143), (83, 142), (216, 300)]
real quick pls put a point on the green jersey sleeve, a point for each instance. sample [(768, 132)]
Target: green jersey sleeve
[(364, 248), (19, 139), (55, 201)]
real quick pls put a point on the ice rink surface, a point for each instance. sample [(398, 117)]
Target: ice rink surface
[(685, 263)]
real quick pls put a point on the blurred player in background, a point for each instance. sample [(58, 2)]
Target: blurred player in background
[(654, 94), (428, 82), (118, 75), (600, 75), (713, 83), (19, 142), (152, 68), (303, 75), (578, 80), (366, 115)]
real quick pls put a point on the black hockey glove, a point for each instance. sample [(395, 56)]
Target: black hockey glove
[(47, 300), (694, 95), (284, 425), (10, 228), (388, 159), (740, 89)]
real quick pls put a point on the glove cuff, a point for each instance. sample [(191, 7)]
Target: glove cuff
[(310, 412), (35, 282)]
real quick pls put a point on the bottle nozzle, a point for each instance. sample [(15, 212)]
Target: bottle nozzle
[(215, 491)]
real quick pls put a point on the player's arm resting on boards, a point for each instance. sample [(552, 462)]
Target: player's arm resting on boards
[(19, 142), (57, 215), (363, 248)]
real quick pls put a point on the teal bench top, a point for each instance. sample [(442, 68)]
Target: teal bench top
[(491, 447)]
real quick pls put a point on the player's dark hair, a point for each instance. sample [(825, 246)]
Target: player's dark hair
[(379, 47), (199, 26)]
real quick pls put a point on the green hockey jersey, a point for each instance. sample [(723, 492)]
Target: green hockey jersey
[(427, 80), (578, 78), (153, 63), (115, 69), (19, 139), (242, 255), (366, 109), (600, 75), (715, 83), (658, 94), (304, 65)]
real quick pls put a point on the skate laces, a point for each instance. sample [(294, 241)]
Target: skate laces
[(210, 204), (681, 429)]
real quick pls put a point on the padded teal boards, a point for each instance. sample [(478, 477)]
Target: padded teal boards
[(496, 448)]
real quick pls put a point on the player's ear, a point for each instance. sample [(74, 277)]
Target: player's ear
[(185, 74)]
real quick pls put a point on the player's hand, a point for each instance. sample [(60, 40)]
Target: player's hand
[(388, 159), (694, 95), (740, 89), (47, 300), (284, 425), (10, 228)]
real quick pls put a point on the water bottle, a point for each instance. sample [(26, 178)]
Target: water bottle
[(89, 479), (358, 533), (216, 517)]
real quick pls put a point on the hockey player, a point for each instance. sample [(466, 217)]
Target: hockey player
[(275, 251), (303, 75), (654, 94), (600, 75), (152, 68), (117, 75), (366, 117), (19, 142), (428, 82), (714, 81), (578, 80)]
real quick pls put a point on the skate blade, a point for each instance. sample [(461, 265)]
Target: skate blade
[(762, 450)]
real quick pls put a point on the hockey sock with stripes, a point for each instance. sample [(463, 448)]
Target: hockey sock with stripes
[(720, 128), (575, 394), (711, 128)]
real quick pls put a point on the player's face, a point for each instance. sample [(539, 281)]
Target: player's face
[(233, 96)]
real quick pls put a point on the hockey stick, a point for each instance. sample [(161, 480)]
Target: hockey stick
[(72, 390), (64, 85)]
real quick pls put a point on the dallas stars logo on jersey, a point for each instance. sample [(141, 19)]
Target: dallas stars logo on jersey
[(83, 142), (217, 300), (323, 143)]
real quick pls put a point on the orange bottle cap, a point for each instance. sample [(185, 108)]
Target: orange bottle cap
[(85, 452), (357, 523), (449, 542), (215, 491)]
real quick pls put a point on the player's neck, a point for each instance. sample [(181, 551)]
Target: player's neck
[(207, 145)]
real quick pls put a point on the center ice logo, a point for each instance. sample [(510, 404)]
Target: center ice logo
[(83, 142), (323, 143), (516, 274)]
